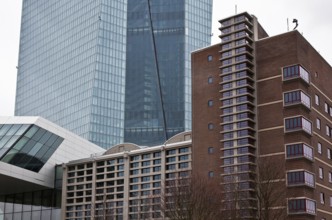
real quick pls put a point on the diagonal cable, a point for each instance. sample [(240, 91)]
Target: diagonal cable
[(158, 73)]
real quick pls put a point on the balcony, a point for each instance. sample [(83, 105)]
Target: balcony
[(300, 178), (295, 98), (295, 72), (301, 206), (298, 123), (299, 150)]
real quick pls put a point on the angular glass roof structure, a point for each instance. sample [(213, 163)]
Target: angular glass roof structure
[(27, 146)]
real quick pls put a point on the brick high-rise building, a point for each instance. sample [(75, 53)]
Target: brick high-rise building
[(262, 109)]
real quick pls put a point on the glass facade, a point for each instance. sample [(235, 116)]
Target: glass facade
[(27, 146), (160, 38), (71, 67), (79, 63), (37, 205)]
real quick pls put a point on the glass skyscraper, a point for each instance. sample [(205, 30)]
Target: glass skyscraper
[(160, 37), (71, 66), (111, 71)]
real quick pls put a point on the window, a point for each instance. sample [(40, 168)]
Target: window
[(329, 153), (226, 23), (157, 154), (240, 18), (226, 46), (183, 150), (319, 148), (225, 54), (170, 159), (322, 198), (146, 170), (240, 26), (145, 156), (240, 58), (209, 58), (171, 152), (170, 167), (326, 107), (330, 177), (227, 102), (330, 201), (210, 126), (229, 135), (120, 167), (183, 165), (226, 30), (228, 144), (145, 163), (227, 86), (227, 78), (316, 99), (211, 174), (145, 186), (318, 123), (184, 157), (330, 110), (328, 130), (210, 80), (240, 34), (320, 173), (226, 70), (227, 118), (210, 103), (226, 38), (240, 50), (183, 174), (240, 66), (226, 62), (145, 178), (227, 127), (300, 178), (301, 205), (298, 123), (295, 71)]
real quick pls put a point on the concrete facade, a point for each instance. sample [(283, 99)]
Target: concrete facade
[(127, 182)]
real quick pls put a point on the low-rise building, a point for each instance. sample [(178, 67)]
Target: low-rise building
[(126, 182)]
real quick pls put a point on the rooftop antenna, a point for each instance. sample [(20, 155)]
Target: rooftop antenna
[(296, 23), (287, 25), (235, 9)]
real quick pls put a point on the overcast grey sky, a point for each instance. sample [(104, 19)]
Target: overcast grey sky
[(315, 22)]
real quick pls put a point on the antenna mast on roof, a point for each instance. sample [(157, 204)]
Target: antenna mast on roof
[(287, 25), (235, 9)]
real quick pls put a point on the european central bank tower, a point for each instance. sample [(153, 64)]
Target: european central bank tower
[(111, 71)]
